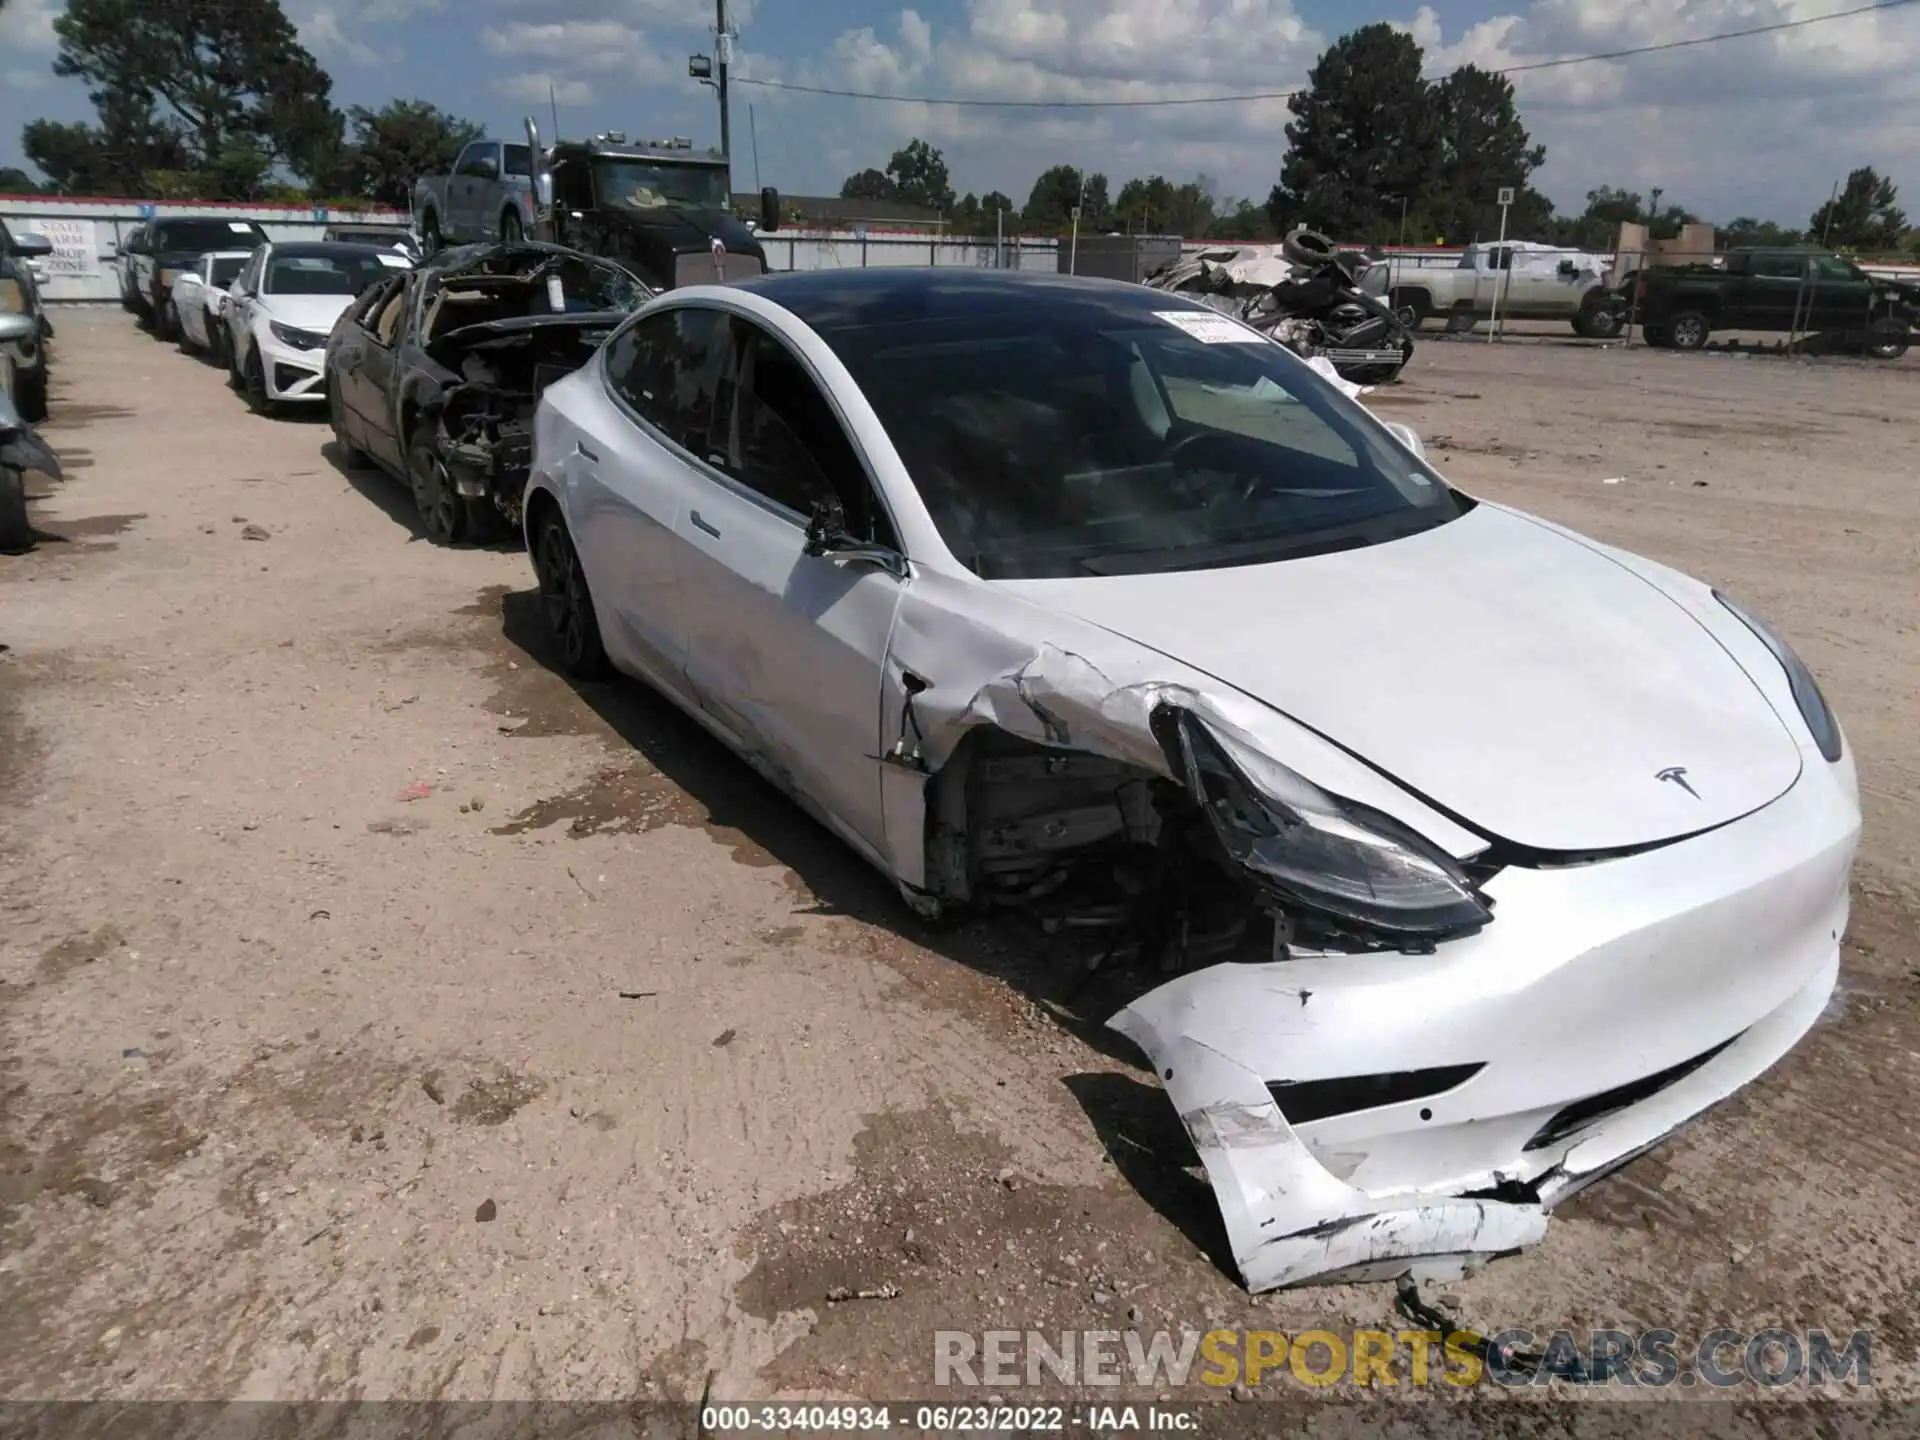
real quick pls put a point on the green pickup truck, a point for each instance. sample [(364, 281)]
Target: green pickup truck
[(1781, 290)]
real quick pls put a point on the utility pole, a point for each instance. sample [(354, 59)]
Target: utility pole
[(723, 55), (753, 136)]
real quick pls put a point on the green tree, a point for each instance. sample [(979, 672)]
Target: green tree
[(1366, 127), (1764, 233), (230, 83), (14, 180), (1483, 148), (869, 184), (397, 143), (1865, 214), (1050, 204), (111, 158), (1241, 219), (918, 173)]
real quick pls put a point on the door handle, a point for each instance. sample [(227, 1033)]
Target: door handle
[(700, 524), (584, 453)]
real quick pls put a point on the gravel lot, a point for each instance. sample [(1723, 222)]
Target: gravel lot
[(592, 1072)]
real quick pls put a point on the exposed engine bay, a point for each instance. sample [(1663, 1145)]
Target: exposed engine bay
[(509, 323)]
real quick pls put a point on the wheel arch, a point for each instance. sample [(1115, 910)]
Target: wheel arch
[(541, 502)]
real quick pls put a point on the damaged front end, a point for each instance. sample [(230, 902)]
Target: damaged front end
[(484, 425), (1381, 1078)]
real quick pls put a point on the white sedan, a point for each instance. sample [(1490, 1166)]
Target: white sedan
[(281, 308), (1481, 855), (199, 300)]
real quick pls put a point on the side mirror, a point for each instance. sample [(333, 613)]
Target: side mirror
[(32, 245), (827, 529), (769, 209), (16, 328), (1407, 436)]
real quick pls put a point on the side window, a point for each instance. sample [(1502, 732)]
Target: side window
[(1778, 267), (481, 161), (665, 366), (1832, 267), (572, 185), (781, 438)]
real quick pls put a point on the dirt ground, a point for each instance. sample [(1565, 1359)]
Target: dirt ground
[(598, 1070)]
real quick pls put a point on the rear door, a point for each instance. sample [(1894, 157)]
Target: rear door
[(1764, 292), (354, 361), (786, 649)]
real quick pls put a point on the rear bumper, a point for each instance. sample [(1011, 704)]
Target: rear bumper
[(1603, 1007)]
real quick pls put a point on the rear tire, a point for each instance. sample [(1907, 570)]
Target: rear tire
[(1656, 336), (430, 237), (16, 535), (1689, 330), (167, 325), (1596, 320), (511, 231), (1460, 320), (566, 602)]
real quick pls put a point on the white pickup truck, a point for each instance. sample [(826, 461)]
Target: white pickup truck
[(1531, 282), (489, 196)]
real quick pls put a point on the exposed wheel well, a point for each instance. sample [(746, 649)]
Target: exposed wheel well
[(540, 504)]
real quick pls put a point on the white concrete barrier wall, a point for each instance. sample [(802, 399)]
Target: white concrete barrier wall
[(86, 235)]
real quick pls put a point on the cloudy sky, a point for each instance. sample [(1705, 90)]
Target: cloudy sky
[(1759, 126)]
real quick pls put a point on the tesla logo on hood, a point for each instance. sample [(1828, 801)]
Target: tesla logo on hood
[(1678, 775)]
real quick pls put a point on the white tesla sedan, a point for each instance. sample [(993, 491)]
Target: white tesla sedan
[(199, 300), (281, 308), (1482, 855)]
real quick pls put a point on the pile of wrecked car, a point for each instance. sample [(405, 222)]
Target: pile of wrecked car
[(1317, 301)]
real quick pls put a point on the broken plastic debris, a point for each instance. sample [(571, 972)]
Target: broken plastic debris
[(419, 790), (839, 1294)]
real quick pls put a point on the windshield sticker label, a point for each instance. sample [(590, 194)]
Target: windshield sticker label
[(240, 227), (1211, 329), (556, 296)]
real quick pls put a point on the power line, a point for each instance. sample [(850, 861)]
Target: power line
[(1627, 54)]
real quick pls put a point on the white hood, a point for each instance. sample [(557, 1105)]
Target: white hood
[(1507, 674), (305, 312)]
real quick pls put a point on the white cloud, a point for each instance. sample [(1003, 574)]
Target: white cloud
[(1761, 125), (591, 47), (533, 89), (28, 25)]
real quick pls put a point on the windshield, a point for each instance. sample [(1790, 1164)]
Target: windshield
[(653, 185), (226, 271), (1108, 437), (336, 274), (204, 235)]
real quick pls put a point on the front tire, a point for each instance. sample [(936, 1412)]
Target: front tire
[(511, 231), (566, 602), (16, 535), (430, 237), (167, 325), (1411, 307), (1887, 340), (442, 515), (351, 455), (30, 393), (256, 384)]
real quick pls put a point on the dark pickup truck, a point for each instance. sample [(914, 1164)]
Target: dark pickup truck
[(1778, 290)]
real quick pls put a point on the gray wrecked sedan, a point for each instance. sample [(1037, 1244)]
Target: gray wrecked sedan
[(434, 373), (1460, 858)]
